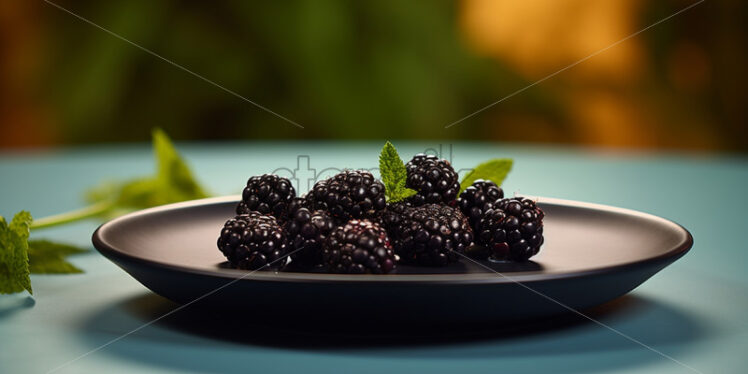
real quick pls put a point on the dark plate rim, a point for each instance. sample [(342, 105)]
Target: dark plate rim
[(119, 255)]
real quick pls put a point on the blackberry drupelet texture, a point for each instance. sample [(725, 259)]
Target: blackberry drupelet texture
[(434, 179), (512, 229), (360, 246), (306, 232), (351, 194), (267, 194), (251, 241), (478, 198), (428, 235), (295, 204)]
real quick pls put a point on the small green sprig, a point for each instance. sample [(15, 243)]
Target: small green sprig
[(494, 170), (14, 254), (19, 256), (173, 182), (394, 175), (47, 257)]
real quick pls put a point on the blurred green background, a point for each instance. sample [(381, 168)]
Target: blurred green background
[(376, 70)]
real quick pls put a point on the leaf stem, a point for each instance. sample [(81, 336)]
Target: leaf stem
[(72, 216)]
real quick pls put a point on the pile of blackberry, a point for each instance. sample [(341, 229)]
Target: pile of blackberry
[(345, 225)]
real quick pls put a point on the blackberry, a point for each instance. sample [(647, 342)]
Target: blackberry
[(251, 241), (351, 194), (306, 232), (267, 194), (430, 234), (478, 198), (295, 204), (360, 246), (392, 215), (434, 179), (512, 229)]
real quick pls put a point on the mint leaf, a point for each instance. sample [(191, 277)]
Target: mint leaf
[(494, 170), (404, 194), (14, 256), (46, 257), (174, 177), (43, 247), (173, 182), (392, 171)]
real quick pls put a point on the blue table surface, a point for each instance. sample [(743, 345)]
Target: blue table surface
[(693, 311)]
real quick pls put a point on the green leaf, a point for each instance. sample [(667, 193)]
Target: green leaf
[(43, 247), (494, 170), (404, 194), (392, 170), (53, 265), (174, 176), (14, 256), (394, 175), (173, 182), (46, 257)]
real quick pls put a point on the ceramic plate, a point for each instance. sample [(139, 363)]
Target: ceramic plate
[(592, 254)]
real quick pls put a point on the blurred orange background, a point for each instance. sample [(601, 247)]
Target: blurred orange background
[(375, 70)]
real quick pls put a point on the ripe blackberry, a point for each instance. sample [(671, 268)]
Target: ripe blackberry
[(306, 232), (251, 241), (392, 215), (430, 234), (478, 198), (512, 229), (434, 179), (267, 194), (347, 195), (295, 204), (359, 247)]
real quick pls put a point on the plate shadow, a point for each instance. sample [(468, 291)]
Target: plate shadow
[(647, 320)]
